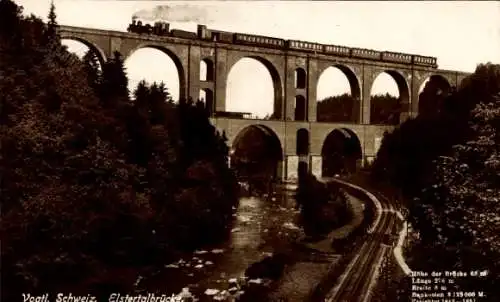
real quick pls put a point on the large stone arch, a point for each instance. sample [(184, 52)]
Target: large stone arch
[(181, 67), (439, 82), (442, 79), (401, 79), (273, 67), (275, 149), (351, 73), (418, 80), (341, 152), (449, 78), (101, 56), (270, 134), (348, 71)]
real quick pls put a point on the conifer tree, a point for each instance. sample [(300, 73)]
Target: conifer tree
[(10, 23), (141, 96), (51, 35), (166, 96), (114, 88), (92, 67)]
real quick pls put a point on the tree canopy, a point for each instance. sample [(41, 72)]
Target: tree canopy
[(335, 109), (447, 165), (384, 109), (93, 180), (464, 197)]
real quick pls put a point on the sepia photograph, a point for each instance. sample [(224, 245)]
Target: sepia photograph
[(248, 151)]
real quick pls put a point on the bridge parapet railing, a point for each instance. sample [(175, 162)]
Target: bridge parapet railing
[(239, 115)]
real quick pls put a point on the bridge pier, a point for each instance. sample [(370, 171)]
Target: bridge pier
[(293, 163), (292, 167), (316, 165), (313, 162), (281, 171)]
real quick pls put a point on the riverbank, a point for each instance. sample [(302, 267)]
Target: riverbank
[(301, 279), (263, 226)]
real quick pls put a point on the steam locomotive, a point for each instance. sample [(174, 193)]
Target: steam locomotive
[(161, 28)]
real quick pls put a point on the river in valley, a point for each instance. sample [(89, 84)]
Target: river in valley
[(262, 226)]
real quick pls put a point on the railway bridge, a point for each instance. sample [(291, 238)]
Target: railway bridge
[(295, 68)]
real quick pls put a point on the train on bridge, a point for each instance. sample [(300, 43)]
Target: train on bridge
[(203, 33)]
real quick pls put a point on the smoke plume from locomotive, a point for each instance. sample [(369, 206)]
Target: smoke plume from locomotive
[(177, 13)]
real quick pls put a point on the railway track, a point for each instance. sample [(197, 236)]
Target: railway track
[(354, 285)]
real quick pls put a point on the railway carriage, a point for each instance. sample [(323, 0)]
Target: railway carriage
[(307, 46), (183, 34), (161, 28), (396, 57), (363, 53), (424, 61), (337, 50), (222, 36), (208, 34), (258, 40)]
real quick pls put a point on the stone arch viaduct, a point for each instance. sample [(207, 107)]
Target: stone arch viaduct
[(295, 70)]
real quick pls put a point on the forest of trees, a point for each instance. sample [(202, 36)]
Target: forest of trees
[(446, 164), (385, 109), (323, 207), (95, 183), (335, 109)]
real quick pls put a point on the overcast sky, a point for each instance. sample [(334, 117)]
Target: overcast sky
[(459, 34)]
